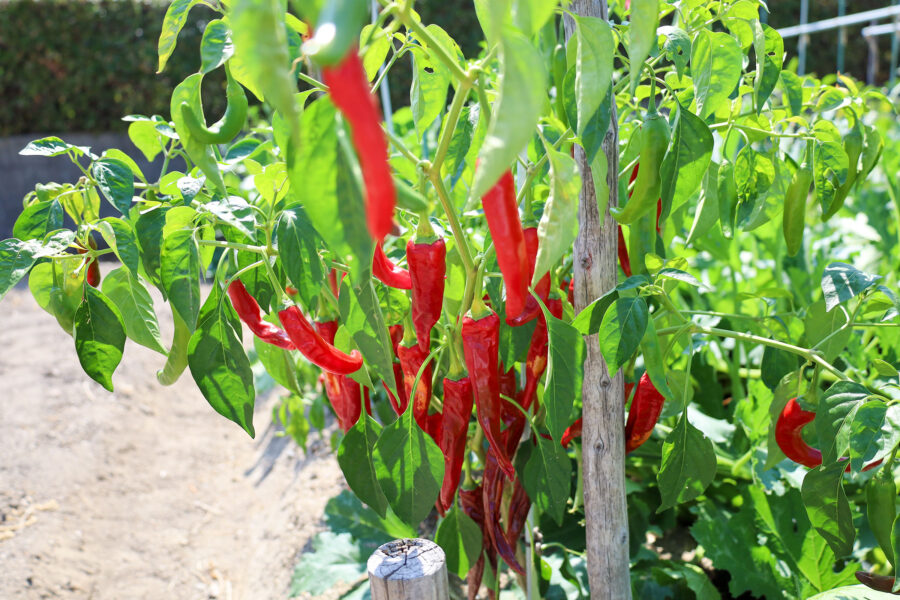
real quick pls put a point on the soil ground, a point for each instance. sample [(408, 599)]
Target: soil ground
[(144, 493)]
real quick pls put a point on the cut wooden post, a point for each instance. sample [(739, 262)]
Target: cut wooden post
[(408, 569)]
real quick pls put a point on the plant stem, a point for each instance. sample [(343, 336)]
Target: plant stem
[(459, 100), (458, 235), (235, 246)]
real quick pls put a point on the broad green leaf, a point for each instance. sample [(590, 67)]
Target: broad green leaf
[(841, 281), (776, 363), (116, 181), (361, 315), (546, 474), (120, 236), (821, 324), (837, 408), (58, 290), (216, 46), (641, 36), (51, 146), (768, 66), (874, 432), (376, 51), (828, 508), (135, 305), (180, 274), (716, 61), (430, 82), (220, 366), (16, 258), (99, 336), (688, 465), (201, 154), (531, 15), (830, 170), (621, 331), (149, 229), (558, 227), (593, 66), (677, 47), (516, 112), (299, 253), (686, 160), (117, 154), (38, 219), (176, 15), (460, 538), (355, 459), (565, 370), (335, 559), (235, 212), (707, 213), (588, 321), (492, 15), (410, 468), (144, 136), (653, 361), (345, 512), (278, 363)]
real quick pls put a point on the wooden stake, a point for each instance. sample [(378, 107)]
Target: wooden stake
[(408, 569)]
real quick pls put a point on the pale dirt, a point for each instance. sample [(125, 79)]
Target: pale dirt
[(144, 493)]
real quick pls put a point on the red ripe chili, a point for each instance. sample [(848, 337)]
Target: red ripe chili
[(492, 481), (387, 272), (349, 88), (536, 360), (399, 407), (481, 341), (502, 214), (519, 506), (92, 275), (450, 433), (427, 268), (342, 392), (473, 505), (542, 289), (316, 349), (248, 310), (575, 429), (645, 410), (411, 359)]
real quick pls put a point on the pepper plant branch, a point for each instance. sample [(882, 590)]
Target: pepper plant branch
[(398, 143), (405, 17), (459, 100), (235, 246), (462, 245)]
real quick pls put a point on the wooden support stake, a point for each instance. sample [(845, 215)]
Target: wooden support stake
[(408, 569)]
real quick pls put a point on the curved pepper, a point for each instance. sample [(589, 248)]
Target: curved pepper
[(399, 407), (427, 270), (481, 340), (248, 310), (881, 508), (316, 349), (411, 359), (647, 185), (879, 583), (349, 88), (177, 360), (492, 481), (502, 214), (794, 217), (519, 506), (645, 410), (536, 360), (473, 505), (853, 146), (387, 272), (229, 125), (542, 289), (342, 392), (450, 433)]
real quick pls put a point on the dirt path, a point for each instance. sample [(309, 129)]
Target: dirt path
[(145, 493)]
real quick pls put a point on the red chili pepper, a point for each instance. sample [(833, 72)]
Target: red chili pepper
[(473, 505), (342, 392), (789, 437), (349, 89), (449, 431), (570, 294), (316, 349), (492, 481), (411, 359), (502, 214), (387, 272), (399, 407), (334, 282), (248, 310), (481, 340), (624, 261), (575, 429), (542, 289), (427, 268), (645, 410), (879, 583), (536, 361), (519, 506), (92, 274)]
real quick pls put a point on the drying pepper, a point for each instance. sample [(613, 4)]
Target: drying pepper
[(542, 289), (411, 359), (481, 341), (248, 310), (645, 410), (492, 481), (881, 508), (231, 123), (427, 258), (647, 185), (387, 272), (344, 394), (519, 506), (536, 360), (450, 433), (789, 437), (853, 146), (316, 349), (794, 220), (473, 505), (396, 332), (502, 214), (879, 583), (349, 88)]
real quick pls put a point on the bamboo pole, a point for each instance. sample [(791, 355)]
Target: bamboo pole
[(603, 442), (409, 569)]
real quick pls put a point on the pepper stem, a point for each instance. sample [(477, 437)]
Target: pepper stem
[(409, 332), (456, 370), (479, 308)]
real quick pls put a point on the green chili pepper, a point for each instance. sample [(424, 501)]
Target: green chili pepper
[(641, 241), (726, 189), (853, 146), (231, 123), (881, 509), (178, 355), (795, 207), (560, 66), (644, 197), (337, 30)]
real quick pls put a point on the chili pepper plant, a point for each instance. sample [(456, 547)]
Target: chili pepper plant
[(413, 273)]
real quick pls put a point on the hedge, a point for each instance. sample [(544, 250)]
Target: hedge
[(71, 65)]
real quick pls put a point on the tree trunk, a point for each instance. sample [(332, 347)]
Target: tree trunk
[(603, 441)]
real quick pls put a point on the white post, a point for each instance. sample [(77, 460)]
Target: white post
[(408, 569)]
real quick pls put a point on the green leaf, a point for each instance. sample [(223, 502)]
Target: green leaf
[(558, 227), (588, 321), (176, 15), (593, 66), (716, 61), (180, 274), (345, 512), (299, 253), (362, 317), (135, 305), (768, 66), (516, 112), (874, 432), (821, 324), (546, 473), (841, 281), (677, 47), (335, 559), (279, 364), (460, 538), (410, 469), (144, 136), (653, 361), (531, 15), (355, 459), (216, 46), (430, 82), (828, 508), (492, 15), (688, 465), (99, 336), (51, 146), (235, 212), (220, 366), (830, 170), (38, 219), (149, 229), (621, 331), (642, 36), (565, 370), (686, 161), (120, 236), (58, 290), (188, 91), (116, 181), (837, 408), (776, 363)]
